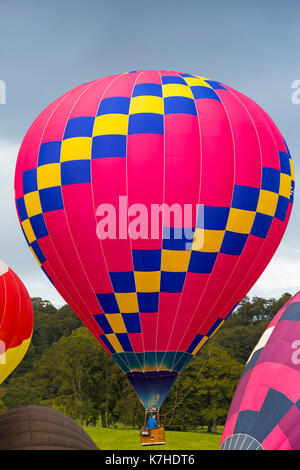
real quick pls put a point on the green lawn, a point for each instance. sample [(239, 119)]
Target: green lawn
[(129, 439)]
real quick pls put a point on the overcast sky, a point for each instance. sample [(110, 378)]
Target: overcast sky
[(48, 47)]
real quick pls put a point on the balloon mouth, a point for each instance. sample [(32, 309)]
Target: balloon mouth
[(241, 441), (146, 368), (152, 386)]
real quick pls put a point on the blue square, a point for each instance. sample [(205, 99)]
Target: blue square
[(261, 225), (146, 260), (106, 146), (25, 236), (186, 75), (228, 314), (147, 89), (285, 166), (79, 127), (270, 179), (132, 322), (172, 79), (172, 282), (177, 238), (47, 275), (214, 326), (233, 243), (123, 281), (108, 303), (114, 105), (287, 149), (194, 343), (215, 218), (148, 301), (180, 105), (103, 323), (282, 207), (51, 199), (76, 172), (202, 262), (200, 92), (38, 252), (215, 85), (124, 341), (39, 226), (30, 181), (49, 153), (146, 123), (21, 209), (245, 197), (292, 191), (107, 344)]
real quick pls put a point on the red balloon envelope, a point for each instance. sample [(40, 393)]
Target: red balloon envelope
[(265, 410), (16, 321), (118, 150)]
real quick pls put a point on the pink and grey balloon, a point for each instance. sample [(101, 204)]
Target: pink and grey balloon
[(265, 411)]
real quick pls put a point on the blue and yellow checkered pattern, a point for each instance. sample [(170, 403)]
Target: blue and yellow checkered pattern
[(218, 229), (226, 229)]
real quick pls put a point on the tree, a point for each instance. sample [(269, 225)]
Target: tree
[(68, 364), (41, 305), (66, 368), (241, 332), (240, 340), (128, 409), (204, 390), (217, 384), (20, 392), (48, 328), (2, 406)]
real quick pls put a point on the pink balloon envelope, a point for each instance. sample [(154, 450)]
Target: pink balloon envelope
[(153, 138)]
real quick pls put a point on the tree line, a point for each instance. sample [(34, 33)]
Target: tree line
[(65, 368)]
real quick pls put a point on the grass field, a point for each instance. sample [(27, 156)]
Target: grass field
[(129, 439)]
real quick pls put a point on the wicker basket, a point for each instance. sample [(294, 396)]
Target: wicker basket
[(150, 437)]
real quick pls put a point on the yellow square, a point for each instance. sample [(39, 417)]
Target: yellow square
[(111, 124), (175, 261), (208, 240), (127, 302), (240, 221), (267, 203), (48, 176), (202, 78), (147, 281), (116, 322), (218, 327), (33, 204), (285, 185), (147, 104), (292, 169), (76, 148), (193, 81), (28, 231), (114, 342), (200, 345), (176, 89), (36, 258)]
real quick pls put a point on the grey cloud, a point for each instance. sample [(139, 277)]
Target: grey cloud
[(47, 48)]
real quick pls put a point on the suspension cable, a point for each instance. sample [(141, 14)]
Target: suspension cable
[(189, 389)]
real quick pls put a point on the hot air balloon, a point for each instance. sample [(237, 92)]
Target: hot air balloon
[(131, 144), (16, 321), (265, 410), (40, 428)]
